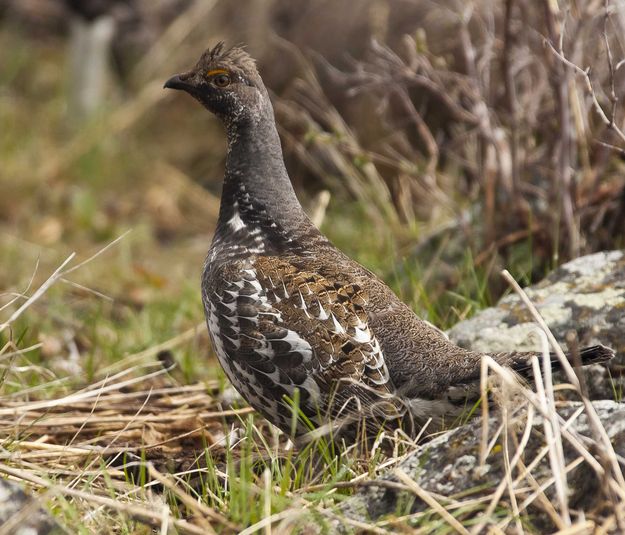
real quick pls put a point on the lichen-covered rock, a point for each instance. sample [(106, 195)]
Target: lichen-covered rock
[(586, 295), (20, 514), (449, 465)]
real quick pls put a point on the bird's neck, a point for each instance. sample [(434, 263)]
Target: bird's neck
[(257, 193)]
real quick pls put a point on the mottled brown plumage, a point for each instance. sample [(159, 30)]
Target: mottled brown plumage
[(292, 317)]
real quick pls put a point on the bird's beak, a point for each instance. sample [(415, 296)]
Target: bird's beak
[(179, 81)]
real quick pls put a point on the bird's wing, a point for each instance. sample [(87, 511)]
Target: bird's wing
[(284, 328)]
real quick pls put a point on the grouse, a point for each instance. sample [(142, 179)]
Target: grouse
[(309, 337)]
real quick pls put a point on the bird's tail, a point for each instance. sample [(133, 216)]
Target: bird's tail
[(596, 354), (521, 362)]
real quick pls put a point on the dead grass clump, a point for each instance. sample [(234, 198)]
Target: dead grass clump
[(517, 109)]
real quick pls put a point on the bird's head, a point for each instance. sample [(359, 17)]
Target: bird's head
[(227, 83)]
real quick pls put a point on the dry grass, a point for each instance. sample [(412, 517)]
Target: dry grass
[(151, 452), (96, 437), (94, 452)]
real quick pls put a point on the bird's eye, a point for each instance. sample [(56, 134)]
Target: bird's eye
[(221, 80)]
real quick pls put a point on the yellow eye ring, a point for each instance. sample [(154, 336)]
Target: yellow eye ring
[(221, 80)]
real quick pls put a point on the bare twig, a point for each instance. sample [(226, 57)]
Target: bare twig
[(584, 74)]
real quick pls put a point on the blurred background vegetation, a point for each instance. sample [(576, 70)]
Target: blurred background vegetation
[(436, 142)]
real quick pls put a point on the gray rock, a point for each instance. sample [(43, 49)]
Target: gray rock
[(449, 465), (21, 514), (586, 295)]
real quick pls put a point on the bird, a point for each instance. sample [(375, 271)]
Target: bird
[(310, 338)]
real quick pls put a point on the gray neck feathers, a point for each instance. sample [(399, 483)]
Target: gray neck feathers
[(256, 184)]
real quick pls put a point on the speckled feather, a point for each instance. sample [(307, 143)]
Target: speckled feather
[(287, 312)]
